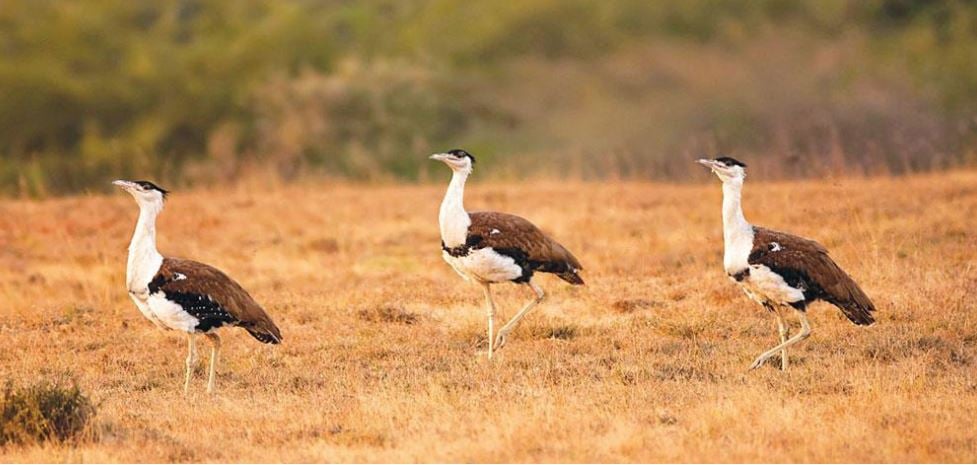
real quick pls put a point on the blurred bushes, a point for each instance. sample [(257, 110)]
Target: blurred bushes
[(118, 87), (367, 121), (43, 412), (197, 91)]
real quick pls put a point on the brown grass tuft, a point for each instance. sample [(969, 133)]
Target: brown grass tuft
[(563, 332), (634, 305), (389, 314)]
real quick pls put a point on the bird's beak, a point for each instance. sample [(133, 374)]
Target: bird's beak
[(438, 157), (706, 162), (122, 183)]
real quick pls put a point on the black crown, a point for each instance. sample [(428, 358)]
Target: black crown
[(461, 154), (150, 186), (730, 161)]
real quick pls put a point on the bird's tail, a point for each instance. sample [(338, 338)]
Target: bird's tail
[(859, 313), (571, 277), (564, 264), (856, 305), (267, 332)]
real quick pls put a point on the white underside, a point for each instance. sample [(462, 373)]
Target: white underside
[(170, 315), (484, 266), (164, 313), (766, 287), (143, 306)]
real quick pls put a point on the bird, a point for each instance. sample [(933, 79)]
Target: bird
[(490, 247), (184, 295), (781, 271)]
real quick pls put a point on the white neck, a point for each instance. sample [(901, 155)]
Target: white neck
[(452, 217), (737, 232), (733, 219), (144, 260)]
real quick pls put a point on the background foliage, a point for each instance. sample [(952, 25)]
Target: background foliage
[(209, 91)]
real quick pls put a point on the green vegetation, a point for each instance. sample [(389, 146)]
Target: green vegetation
[(43, 412), (201, 91)]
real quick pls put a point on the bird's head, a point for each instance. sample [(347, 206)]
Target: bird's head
[(726, 168), (145, 192), (458, 160)]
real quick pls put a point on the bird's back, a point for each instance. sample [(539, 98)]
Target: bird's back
[(191, 278), (804, 263), (503, 231)]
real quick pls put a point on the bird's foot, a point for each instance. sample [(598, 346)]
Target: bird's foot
[(500, 339), (758, 362)]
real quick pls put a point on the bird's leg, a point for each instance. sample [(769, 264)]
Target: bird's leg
[(191, 360), (782, 329), (504, 332), (784, 332), (805, 332), (215, 353), (490, 309)]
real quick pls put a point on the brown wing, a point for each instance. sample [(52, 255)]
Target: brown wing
[(503, 233), (805, 264), (213, 298)]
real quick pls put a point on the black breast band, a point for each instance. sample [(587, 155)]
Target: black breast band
[(471, 243), (740, 275)]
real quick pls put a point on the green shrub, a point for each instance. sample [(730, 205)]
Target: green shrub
[(43, 412)]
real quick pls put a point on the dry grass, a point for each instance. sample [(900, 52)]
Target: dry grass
[(645, 363)]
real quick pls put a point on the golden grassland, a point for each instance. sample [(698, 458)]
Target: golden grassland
[(645, 363)]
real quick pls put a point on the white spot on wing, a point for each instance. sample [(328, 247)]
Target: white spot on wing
[(179, 276), (774, 247), (495, 231)]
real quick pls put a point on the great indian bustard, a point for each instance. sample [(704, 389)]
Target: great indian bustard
[(491, 247), (185, 295), (779, 270)]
